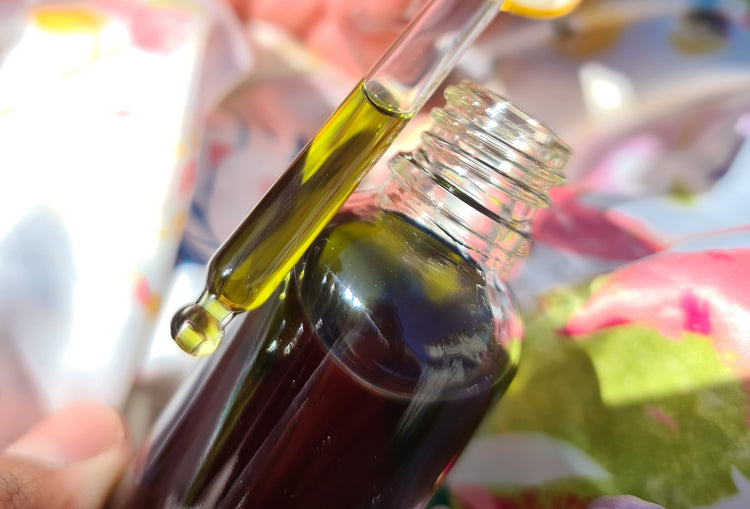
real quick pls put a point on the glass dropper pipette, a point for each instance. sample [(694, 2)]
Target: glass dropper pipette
[(252, 262)]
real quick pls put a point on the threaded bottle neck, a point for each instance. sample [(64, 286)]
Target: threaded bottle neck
[(479, 174)]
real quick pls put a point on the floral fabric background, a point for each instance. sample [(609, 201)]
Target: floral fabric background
[(634, 387), (101, 104), (634, 378)]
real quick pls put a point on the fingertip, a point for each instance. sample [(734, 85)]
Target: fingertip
[(73, 458), (94, 480), (385, 11), (75, 433)]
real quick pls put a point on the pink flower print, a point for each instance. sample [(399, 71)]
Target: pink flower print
[(147, 298), (187, 177), (659, 416), (574, 227), (159, 30), (474, 497), (704, 292), (534, 498), (217, 152), (153, 28)]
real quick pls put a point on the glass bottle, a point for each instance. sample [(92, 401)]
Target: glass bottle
[(361, 379)]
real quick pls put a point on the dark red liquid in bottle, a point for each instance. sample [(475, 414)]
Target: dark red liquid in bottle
[(355, 386)]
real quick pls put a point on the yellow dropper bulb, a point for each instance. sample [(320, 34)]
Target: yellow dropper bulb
[(540, 8)]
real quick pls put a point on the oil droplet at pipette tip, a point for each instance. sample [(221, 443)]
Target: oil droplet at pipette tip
[(198, 328)]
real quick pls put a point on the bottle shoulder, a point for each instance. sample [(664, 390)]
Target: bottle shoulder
[(390, 297)]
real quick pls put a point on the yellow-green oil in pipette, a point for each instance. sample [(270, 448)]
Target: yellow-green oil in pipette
[(252, 262), (259, 254)]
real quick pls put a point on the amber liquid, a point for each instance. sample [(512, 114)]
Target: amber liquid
[(354, 386)]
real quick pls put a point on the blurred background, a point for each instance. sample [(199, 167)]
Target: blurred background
[(135, 135)]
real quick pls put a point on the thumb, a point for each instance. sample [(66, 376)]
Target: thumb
[(71, 459)]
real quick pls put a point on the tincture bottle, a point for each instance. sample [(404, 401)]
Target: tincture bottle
[(361, 379)]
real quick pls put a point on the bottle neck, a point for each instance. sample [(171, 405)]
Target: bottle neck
[(478, 176)]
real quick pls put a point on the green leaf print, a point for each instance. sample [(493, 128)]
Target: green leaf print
[(664, 417)]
